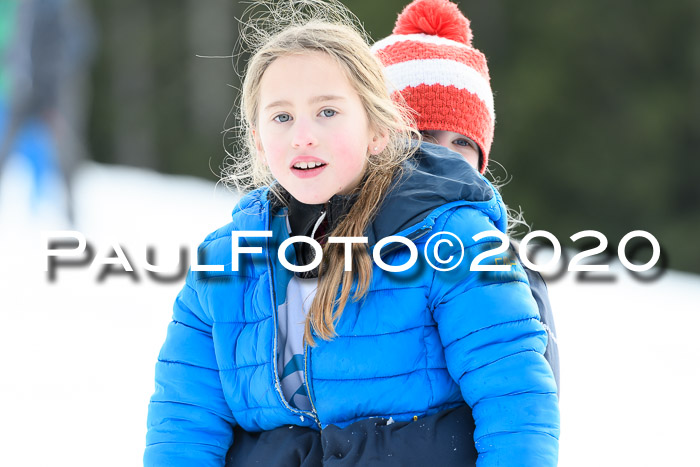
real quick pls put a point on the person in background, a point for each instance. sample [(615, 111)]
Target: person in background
[(45, 64)]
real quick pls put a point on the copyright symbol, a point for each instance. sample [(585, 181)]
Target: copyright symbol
[(437, 256)]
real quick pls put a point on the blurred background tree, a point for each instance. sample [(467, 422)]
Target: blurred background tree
[(597, 103)]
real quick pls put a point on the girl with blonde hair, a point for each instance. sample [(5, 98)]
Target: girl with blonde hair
[(282, 333)]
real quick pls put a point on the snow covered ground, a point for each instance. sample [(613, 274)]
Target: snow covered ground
[(77, 356)]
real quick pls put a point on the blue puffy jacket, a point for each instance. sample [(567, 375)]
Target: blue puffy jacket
[(419, 342)]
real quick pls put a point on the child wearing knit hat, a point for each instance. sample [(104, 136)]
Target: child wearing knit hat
[(430, 61), (433, 68)]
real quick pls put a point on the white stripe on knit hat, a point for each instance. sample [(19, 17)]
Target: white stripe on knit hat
[(439, 71), (425, 38)]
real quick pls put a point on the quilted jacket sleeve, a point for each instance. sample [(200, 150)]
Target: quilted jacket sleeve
[(494, 344), (189, 422)]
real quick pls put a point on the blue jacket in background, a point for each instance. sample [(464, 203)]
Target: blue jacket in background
[(419, 342)]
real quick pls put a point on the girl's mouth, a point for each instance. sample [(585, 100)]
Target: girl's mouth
[(307, 165), (308, 169)]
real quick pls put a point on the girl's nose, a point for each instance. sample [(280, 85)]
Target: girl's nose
[(303, 135)]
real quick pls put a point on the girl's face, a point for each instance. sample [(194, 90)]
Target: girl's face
[(456, 142), (312, 129)]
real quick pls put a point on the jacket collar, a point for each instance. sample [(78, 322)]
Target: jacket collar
[(433, 180)]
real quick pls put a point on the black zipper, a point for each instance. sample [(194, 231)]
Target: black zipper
[(413, 236)]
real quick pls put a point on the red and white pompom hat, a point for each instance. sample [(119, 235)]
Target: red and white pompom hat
[(430, 60)]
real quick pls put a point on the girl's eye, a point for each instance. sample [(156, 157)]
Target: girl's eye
[(282, 118), (328, 112), (463, 142)]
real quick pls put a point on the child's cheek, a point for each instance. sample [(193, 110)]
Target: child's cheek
[(351, 154), (274, 153)]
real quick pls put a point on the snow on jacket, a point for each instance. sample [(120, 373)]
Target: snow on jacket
[(419, 342)]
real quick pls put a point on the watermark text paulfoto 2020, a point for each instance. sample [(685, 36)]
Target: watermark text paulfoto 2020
[(443, 251)]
